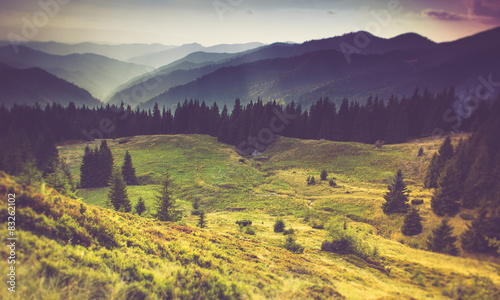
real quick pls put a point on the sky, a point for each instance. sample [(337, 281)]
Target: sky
[(211, 22)]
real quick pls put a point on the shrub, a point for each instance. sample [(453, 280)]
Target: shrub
[(279, 226), (250, 230), (344, 241), (289, 231), (292, 246), (420, 152), (417, 201), (324, 175), (244, 223), (317, 224), (332, 183)]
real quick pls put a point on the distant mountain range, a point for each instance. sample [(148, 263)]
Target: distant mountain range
[(168, 56), (97, 74), (34, 85), (305, 72), (283, 72), (121, 52)]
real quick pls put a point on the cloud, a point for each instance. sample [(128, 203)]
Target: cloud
[(486, 8), (444, 15)]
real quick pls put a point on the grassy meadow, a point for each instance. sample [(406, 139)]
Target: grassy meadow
[(82, 249)]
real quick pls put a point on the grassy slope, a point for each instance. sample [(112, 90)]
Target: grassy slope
[(203, 168)]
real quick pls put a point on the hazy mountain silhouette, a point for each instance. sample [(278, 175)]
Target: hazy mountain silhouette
[(33, 85), (170, 76), (168, 56), (97, 74), (386, 70), (121, 52)]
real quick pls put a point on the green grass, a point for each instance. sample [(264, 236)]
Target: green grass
[(257, 265)]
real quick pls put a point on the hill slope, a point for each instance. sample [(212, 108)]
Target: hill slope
[(66, 243), (97, 74), (35, 85)]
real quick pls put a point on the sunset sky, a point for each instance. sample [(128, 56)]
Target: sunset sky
[(209, 22)]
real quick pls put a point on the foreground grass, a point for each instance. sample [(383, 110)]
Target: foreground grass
[(67, 252)]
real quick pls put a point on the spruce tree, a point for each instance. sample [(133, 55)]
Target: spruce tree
[(118, 192), (478, 180), (432, 174), (279, 225), (29, 173), (202, 223), (104, 160), (441, 240), (397, 197), (482, 228), (128, 170), (446, 199), (166, 205), (413, 223), (324, 175), (438, 163), (140, 207)]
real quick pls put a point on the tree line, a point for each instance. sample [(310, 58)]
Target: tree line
[(393, 121)]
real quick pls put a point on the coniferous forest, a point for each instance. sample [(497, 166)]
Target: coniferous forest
[(388, 121)]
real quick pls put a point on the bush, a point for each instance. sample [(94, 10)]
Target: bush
[(279, 226), (324, 175), (292, 246), (311, 180), (317, 224), (420, 152), (244, 223), (344, 241), (332, 183), (289, 231), (250, 230), (417, 201)]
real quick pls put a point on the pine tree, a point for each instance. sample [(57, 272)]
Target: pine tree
[(478, 180), (166, 205), (432, 175), (29, 173), (104, 160), (441, 240), (196, 206), (482, 228), (202, 223), (324, 175), (413, 223), (446, 199), (279, 225), (397, 197), (420, 152), (118, 192), (438, 163), (140, 207), (128, 170)]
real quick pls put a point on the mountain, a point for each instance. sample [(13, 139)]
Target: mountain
[(34, 85), (169, 76), (176, 73), (284, 79), (384, 67), (121, 52), (170, 55), (95, 73)]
